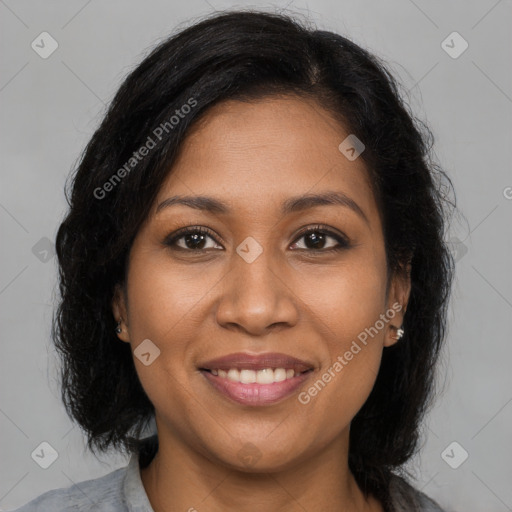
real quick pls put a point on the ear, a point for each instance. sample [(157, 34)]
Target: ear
[(119, 310), (398, 298)]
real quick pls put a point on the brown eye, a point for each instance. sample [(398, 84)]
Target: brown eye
[(320, 239), (191, 239)]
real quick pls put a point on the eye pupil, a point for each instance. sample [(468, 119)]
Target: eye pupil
[(316, 238), (195, 238)]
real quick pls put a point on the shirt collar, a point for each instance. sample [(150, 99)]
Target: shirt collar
[(134, 493)]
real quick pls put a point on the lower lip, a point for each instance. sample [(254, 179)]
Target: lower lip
[(255, 394)]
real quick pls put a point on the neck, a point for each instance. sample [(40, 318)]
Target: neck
[(182, 479)]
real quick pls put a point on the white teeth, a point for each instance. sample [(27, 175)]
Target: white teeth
[(265, 376), (279, 374), (247, 376), (234, 375)]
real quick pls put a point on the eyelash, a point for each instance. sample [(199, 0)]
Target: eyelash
[(343, 242)]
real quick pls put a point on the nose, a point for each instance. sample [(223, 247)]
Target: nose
[(255, 297)]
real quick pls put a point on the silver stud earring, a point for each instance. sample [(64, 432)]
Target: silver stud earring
[(399, 333), (118, 328)]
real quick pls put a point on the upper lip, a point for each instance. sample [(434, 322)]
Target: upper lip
[(244, 361)]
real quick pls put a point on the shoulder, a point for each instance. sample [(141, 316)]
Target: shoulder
[(89, 495), (119, 491), (406, 498)]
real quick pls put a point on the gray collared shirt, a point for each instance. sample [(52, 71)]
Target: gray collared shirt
[(118, 491)]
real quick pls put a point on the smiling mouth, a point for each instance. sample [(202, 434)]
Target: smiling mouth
[(248, 387), (256, 379)]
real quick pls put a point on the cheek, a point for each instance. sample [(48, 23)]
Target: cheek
[(164, 306), (163, 299), (348, 308), (341, 386), (162, 303), (346, 299)]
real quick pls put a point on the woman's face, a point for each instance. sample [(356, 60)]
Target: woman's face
[(254, 284)]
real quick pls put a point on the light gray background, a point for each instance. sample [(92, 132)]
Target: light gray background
[(50, 108)]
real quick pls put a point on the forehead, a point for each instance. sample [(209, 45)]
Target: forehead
[(256, 155)]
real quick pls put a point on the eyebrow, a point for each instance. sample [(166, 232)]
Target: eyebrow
[(291, 205)]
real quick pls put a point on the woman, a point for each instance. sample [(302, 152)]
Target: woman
[(254, 258)]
